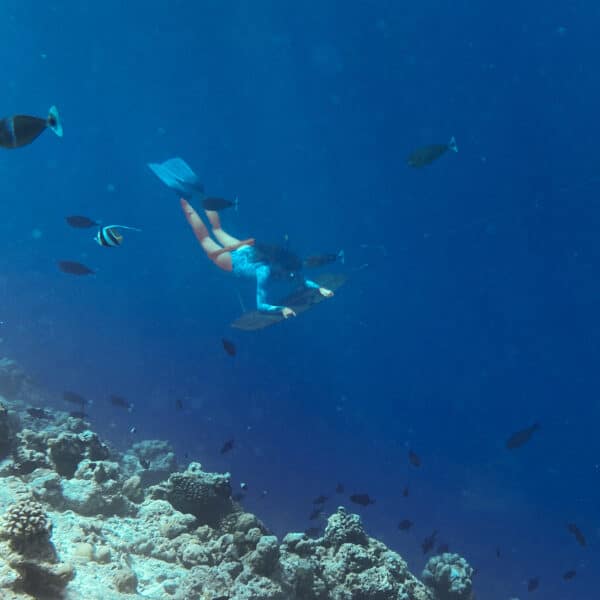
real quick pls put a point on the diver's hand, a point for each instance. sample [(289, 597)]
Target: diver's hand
[(325, 292), (287, 312)]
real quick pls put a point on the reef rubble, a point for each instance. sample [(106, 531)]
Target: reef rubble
[(80, 520)]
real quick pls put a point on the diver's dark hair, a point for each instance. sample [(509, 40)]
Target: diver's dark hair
[(283, 262)]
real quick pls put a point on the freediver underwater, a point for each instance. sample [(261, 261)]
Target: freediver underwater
[(246, 258)]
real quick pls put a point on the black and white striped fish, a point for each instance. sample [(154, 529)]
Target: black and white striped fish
[(111, 236)]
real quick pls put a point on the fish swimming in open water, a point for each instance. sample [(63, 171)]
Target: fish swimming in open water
[(521, 437), (110, 236), (215, 203), (427, 154), (362, 499), (74, 268), (80, 222), (20, 130)]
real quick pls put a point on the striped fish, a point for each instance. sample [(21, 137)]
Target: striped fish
[(110, 235)]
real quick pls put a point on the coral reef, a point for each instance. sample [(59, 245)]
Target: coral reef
[(449, 576), (79, 520)]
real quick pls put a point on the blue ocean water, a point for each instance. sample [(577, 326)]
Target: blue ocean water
[(471, 309)]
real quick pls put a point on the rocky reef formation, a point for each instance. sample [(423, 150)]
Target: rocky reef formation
[(79, 520)]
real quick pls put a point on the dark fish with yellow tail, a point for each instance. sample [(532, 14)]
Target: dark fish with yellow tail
[(110, 236), (427, 154), (20, 130)]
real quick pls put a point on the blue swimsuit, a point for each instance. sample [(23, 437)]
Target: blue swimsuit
[(245, 264)]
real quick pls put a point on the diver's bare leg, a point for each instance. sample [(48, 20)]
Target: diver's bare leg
[(222, 236), (220, 256)]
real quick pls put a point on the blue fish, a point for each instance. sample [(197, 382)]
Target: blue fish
[(177, 174)]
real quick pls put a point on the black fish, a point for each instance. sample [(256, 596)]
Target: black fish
[(362, 499), (569, 575), (20, 130), (315, 514), (533, 584), (229, 347), (178, 403), (405, 525), (215, 203), (405, 492), (80, 222), (227, 446), (427, 154), (320, 260), (74, 398), (577, 533), (414, 459), (339, 488), (39, 413), (78, 414), (497, 552), (520, 438), (312, 531), (442, 549), (74, 268), (428, 543), (320, 499), (120, 402)]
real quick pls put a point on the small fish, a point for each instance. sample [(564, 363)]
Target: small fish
[(320, 260), (405, 525), (39, 413), (315, 514), (498, 554), (362, 499), (20, 130), (74, 398), (120, 402), (569, 575), (80, 222), (320, 499), (229, 347), (428, 543), (427, 154), (110, 237), (214, 203), (74, 268), (177, 174), (405, 492), (577, 533), (520, 438), (227, 446), (312, 531), (339, 488), (244, 486), (442, 549), (78, 414), (414, 459), (178, 404), (533, 584)]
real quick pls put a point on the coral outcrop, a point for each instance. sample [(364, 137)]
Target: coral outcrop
[(449, 576)]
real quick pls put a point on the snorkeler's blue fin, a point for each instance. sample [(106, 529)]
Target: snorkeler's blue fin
[(54, 122), (177, 174)]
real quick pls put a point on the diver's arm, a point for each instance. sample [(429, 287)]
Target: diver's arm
[(315, 286), (262, 275)]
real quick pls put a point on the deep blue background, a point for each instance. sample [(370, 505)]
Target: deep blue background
[(476, 315)]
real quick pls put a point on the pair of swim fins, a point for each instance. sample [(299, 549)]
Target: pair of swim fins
[(177, 174)]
